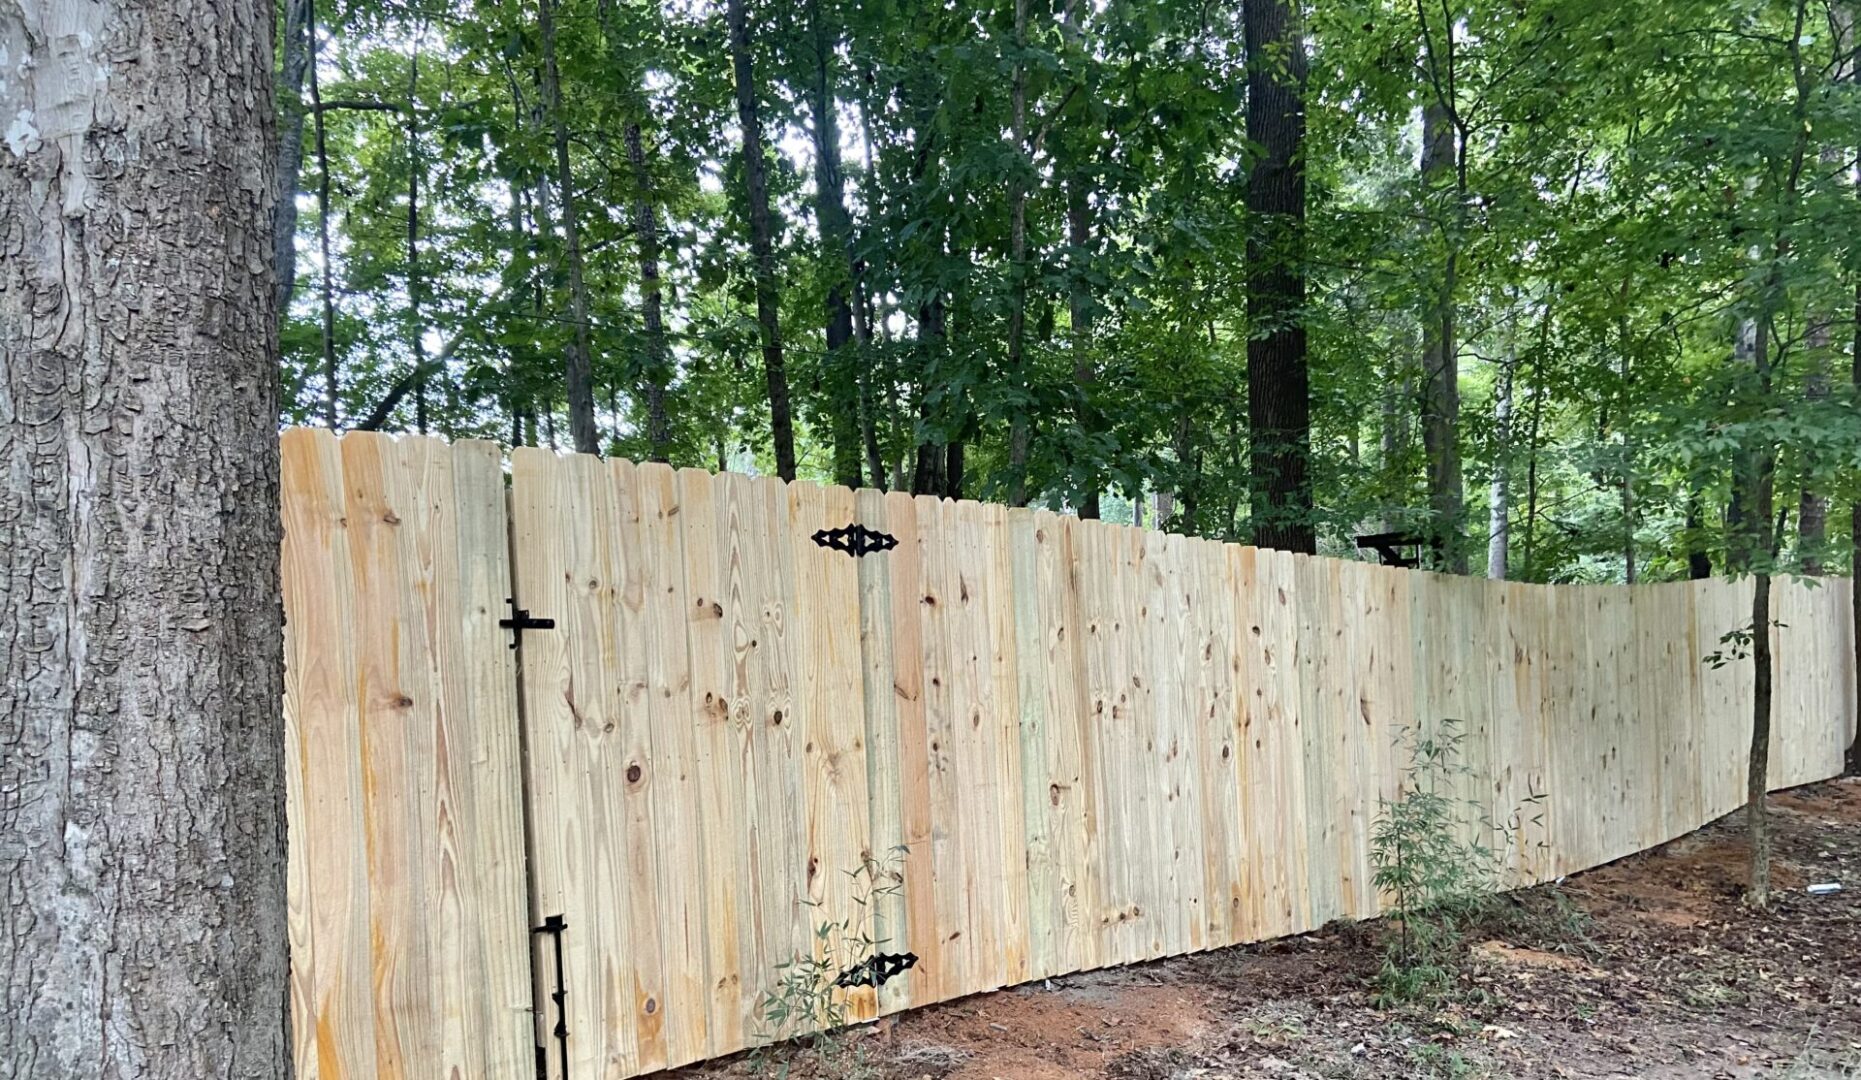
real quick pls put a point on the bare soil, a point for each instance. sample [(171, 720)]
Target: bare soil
[(1652, 967)]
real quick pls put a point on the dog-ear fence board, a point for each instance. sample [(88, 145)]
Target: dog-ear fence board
[(590, 853)]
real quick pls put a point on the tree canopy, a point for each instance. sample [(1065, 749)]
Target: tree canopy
[(1567, 270)]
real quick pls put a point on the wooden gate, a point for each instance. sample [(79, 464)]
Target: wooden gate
[(409, 953)]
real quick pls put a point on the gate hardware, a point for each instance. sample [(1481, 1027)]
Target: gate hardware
[(522, 620), (856, 540), (875, 972), (1386, 543), (554, 925)]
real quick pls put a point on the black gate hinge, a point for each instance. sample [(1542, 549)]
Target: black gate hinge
[(521, 620), (856, 540)]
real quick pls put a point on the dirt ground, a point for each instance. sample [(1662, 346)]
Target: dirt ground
[(1650, 967)]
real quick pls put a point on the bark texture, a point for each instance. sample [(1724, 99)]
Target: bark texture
[(1279, 407), (142, 930)]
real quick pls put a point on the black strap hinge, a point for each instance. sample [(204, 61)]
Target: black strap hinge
[(856, 540), (876, 970)]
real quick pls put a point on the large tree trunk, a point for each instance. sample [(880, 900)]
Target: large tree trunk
[(842, 381), (762, 244), (1441, 363), (578, 369), (142, 823), (658, 366), (1279, 407)]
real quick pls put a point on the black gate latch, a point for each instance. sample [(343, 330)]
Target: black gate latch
[(522, 620)]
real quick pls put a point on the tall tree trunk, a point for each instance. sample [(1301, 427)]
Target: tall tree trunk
[(1699, 560), (1397, 434), (332, 386), (657, 369), (1020, 436), (1757, 783), (1760, 542), (1441, 360), (930, 475), (299, 50), (1499, 506), (843, 383), (1740, 532), (578, 369), (141, 648), (1279, 407), (1812, 522), (1079, 306), (762, 244), (416, 286)]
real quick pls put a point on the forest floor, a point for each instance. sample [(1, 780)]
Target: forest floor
[(1650, 967)]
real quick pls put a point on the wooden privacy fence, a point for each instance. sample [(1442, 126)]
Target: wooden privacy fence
[(1099, 744)]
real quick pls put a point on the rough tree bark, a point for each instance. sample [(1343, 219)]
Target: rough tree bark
[(578, 372), (142, 936), (1279, 407), (762, 244)]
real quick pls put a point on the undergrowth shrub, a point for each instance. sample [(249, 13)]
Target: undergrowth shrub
[(1433, 857), (807, 1006)]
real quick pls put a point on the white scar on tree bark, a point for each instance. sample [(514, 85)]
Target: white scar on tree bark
[(53, 76)]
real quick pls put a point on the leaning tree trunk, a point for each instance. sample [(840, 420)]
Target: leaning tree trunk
[(142, 822), (1279, 406)]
